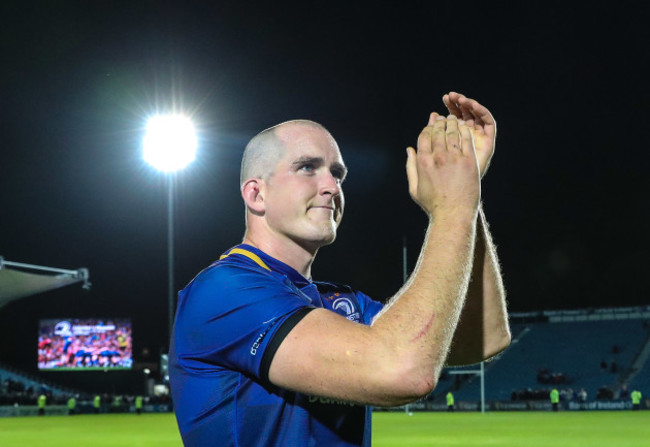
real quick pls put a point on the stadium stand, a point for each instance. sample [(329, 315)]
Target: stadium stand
[(566, 355), (19, 387), (639, 377)]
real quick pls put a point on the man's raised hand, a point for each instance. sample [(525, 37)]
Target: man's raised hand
[(481, 122), (443, 174)]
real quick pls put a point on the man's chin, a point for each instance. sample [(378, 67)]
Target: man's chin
[(313, 244), (325, 240)]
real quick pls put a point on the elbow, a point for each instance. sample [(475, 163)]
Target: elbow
[(499, 345), (505, 340), (405, 384), (423, 386), (425, 381)]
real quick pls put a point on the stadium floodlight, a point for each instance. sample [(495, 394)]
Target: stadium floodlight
[(169, 143)]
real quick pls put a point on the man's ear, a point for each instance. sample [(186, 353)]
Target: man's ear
[(252, 192)]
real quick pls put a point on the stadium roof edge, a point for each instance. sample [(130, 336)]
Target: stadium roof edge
[(20, 280)]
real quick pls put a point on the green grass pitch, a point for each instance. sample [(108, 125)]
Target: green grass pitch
[(574, 429)]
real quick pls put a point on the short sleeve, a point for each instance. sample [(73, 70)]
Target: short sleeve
[(228, 315), (370, 308)]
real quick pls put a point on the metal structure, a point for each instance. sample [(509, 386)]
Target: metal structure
[(20, 280), (481, 373)]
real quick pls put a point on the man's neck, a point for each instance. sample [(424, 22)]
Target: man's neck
[(289, 252)]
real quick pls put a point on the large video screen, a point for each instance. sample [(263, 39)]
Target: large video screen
[(85, 344)]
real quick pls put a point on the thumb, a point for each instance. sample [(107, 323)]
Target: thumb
[(412, 171)]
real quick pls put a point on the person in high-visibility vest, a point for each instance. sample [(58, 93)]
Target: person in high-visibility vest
[(450, 401), (138, 404), (42, 401), (97, 403), (555, 398), (636, 399), (116, 404), (72, 405)]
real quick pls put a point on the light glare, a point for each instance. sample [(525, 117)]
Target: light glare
[(169, 143)]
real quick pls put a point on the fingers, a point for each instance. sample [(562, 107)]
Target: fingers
[(452, 134), (443, 135), (441, 175), (432, 137), (424, 140), (466, 138), (452, 106), (439, 142), (483, 119), (481, 113), (469, 109), (453, 101)]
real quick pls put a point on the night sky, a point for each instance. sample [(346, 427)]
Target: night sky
[(566, 194)]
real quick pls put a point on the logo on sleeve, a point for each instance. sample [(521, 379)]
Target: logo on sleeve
[(260, 337), (345, 307)]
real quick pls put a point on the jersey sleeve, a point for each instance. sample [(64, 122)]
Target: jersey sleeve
[(228, 317), (370, 308)]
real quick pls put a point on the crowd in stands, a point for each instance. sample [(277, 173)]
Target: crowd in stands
[(15, 392), (566, 395), (546, 377)]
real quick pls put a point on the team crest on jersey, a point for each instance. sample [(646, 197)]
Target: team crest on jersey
[(345, 307)]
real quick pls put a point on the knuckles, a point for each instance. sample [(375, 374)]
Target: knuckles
[(439, 160)]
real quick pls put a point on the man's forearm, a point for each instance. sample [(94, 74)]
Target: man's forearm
[(419, 322), (483, 330)]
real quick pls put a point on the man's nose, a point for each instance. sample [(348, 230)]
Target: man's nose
[(330, 185)]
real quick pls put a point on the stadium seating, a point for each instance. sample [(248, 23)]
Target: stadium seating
[(574, 349), (641, 381), (16, 386)]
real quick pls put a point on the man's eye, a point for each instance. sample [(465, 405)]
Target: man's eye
[(308, 167)]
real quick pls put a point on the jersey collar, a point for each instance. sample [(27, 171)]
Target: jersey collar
[(271, 263)]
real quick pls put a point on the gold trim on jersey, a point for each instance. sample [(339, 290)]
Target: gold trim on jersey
[(250, 255)]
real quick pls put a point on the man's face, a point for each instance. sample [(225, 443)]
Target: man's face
[(304, 200)]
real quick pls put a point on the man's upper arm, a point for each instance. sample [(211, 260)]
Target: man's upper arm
[(327, 355), (324, 355)]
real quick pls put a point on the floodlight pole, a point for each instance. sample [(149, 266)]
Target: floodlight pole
[(170, 250), (169, 145), (407, 408)]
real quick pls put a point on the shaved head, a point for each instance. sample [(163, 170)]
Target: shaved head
[(291, 180), (263, 152)]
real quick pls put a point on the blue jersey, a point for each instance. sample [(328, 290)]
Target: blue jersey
[(230, 321)]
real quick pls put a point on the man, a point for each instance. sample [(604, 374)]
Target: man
[(636, 399), (97, 403), (450, 401), (41, 402), (72, 405), (262, 355), (555, 398)]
